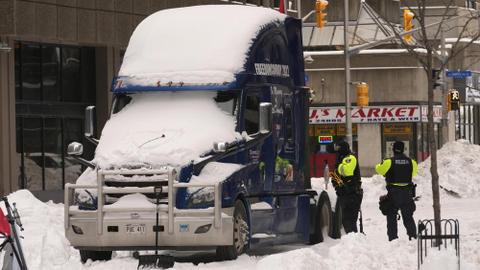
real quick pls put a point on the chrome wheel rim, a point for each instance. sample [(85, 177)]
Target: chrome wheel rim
[(240, 234)]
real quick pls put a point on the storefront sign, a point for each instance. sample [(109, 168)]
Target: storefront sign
[(397, 129), (325, 139), (372, 114), (325, 130), (437, 114), (472, 95)]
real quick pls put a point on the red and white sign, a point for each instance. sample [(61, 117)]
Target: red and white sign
[(437, 114), (371, 114)]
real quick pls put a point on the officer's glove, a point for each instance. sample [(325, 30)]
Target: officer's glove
[(340, 191)]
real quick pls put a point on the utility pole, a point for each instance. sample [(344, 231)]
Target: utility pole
[(444, 91), (348, 120)]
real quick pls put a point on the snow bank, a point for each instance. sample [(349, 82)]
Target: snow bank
[(46, 247), (193, 45), (168, 128), (458, 169)]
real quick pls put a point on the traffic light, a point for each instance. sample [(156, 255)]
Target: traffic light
[(407, 24), (362, 94), (320, 8), (453, 100), (436, 78)]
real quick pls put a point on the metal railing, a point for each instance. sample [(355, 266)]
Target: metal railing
[(167, 175), (450, 234)]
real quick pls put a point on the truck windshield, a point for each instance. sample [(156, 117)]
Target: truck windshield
[(166, 128), (227, 101)]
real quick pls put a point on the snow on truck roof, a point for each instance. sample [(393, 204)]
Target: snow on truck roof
[(192, 46)]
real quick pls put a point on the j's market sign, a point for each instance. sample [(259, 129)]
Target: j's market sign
[(371, 114)]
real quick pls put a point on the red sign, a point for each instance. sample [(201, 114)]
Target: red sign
[(325, 139), (372, 114)]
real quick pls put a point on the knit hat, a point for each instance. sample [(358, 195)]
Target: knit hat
[(343, 148), (398, 147)]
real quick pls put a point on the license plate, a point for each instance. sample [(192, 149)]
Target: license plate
[(135, 228)]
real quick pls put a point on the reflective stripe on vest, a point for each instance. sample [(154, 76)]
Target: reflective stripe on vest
[(399, 184)]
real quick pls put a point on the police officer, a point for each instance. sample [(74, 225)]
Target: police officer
[(347, 182), (398, 171)]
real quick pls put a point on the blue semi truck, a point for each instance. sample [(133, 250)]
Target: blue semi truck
[(206, 144)]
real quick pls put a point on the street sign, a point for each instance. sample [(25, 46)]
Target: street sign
[(459, 73)]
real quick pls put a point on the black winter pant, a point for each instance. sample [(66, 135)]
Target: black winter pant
[(401, 199), (350, 204)]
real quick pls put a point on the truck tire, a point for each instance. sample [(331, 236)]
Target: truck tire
[(338, 230), (323, 220), (241, 234), (94, 255)]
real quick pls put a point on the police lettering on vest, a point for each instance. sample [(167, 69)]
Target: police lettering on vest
[(401, 170)]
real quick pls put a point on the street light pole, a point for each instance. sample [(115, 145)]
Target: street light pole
[(444, 91), (348, 120)]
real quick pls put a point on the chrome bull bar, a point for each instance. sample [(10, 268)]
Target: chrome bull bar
[(167, 174)]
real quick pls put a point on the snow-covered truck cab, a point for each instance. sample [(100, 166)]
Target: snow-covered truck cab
[(208, 118)]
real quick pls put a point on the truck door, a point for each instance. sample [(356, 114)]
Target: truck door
[(259, 154), (284, 183)]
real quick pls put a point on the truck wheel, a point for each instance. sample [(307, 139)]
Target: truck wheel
[(338, 230), (241, 234), (323, 220), (94, 255)]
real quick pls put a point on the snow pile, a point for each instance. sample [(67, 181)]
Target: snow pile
[(168, 128), (44, 241), (215, 172), (212, 173), (194, 45), (458, 169)]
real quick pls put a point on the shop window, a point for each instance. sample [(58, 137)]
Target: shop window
[(18, 81), (71, 74), (66, 76), (31, 72), (33, 157), (50, 73), (403, 132), (321, 138), (87, 74)]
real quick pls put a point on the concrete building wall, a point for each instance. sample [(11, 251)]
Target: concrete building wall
[(369, 151), (388, 85), (392, 78)]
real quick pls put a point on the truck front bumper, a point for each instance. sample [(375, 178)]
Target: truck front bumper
[(131, 224), (189, 232)]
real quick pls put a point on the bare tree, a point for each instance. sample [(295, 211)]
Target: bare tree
[(461, 26)]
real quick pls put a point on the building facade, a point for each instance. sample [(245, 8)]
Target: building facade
[(398, 85)]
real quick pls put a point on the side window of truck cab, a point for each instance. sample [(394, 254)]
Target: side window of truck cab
[(227, 101), (252, 112)]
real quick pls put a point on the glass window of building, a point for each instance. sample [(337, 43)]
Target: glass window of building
[(53, 83), (403, 132)]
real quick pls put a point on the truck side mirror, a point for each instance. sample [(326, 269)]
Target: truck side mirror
[(265, 117), (89, 121), (220, 147), (75, 149)]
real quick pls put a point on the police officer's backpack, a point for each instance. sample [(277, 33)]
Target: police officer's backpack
[(384, 204)]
